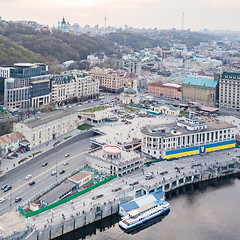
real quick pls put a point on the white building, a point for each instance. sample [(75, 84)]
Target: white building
[(73, 84), (112, 159), (48, 126), (187, 137)]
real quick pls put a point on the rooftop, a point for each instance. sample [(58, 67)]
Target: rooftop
[(11, 137), (48, 117), (76, 178), (200, 81)]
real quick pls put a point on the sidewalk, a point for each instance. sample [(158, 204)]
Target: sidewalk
[(8, 164)]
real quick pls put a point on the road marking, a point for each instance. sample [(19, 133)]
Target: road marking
[(47, 170)]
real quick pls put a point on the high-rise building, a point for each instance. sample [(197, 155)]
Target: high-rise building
[(25, 85), (229, 88)]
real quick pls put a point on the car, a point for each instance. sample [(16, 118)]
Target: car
[(53, 173), (7, 188), (28, 177), (3, 188), (134, 183), (117, 189), (67, 155), (2, 200), (65, 163), (62, 171), (44, 164), (31, 183), (98, 196), (18, 199)]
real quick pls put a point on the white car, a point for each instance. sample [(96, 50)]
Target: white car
[(53, 173), (67, 155), (28, 177), (65, 163), (2, 200)]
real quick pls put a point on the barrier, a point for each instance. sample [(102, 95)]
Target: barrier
[(65, 200)]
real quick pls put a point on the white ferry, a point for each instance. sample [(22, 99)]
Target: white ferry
[(142, 209), (137, 217)]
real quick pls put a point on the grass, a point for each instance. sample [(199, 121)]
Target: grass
[(94, 109), (131, 109), (22, 160), (36, 153), (67, 137), (84, 127)]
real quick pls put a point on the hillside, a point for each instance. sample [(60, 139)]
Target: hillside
[(23, 44)]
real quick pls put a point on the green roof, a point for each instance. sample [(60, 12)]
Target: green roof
[(200, 81)]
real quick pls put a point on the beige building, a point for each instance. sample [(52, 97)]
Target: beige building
[(42, 129), (229, 87), (82, 178), (167, 109), (200, 89), (108, 79), (72, 84)]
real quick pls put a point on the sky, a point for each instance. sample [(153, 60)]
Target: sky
[(162, 14)]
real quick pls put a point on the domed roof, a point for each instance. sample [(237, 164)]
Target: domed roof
[(130, 91)]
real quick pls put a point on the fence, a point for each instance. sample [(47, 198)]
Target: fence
[(51, 206)]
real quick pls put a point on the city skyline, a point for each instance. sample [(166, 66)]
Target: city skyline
[(161, 14)]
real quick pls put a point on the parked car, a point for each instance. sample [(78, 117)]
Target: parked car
[(44, 164), (18, 199), (7, 188), (3, 188), (117, 189), (98, 196), (31, 183), (28, 177), (2, 200), (134, 183), (62, 171)]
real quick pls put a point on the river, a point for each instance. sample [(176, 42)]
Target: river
[(205, 211)]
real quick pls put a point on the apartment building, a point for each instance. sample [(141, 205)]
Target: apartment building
[(68, 85), (109, 80)]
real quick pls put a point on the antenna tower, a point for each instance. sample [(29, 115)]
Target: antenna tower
[(182, 28), (105, 21)]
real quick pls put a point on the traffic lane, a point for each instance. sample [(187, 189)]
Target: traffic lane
[(36, 167), (43, 180)]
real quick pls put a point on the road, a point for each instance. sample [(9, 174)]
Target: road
[(41, 175)]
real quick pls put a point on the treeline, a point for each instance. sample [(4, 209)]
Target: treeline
[(24, 44)]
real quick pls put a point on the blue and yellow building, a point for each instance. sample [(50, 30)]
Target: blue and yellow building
[(187, 137)]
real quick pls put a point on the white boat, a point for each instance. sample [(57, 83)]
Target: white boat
[(143, 214)]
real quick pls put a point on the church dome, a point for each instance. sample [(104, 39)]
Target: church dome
[(130, 91)]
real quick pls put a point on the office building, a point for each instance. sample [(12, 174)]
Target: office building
[(187, 137)]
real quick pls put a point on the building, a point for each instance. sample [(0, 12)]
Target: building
[(48, 126), (112, 159), (187, 137), (59, 192), (73, 84), (129, 96), (200, 89), (167, 109), (131, 64), (81, 178), (10, 142), (109, 80), (165, 89), (229, 88), (25, 85)]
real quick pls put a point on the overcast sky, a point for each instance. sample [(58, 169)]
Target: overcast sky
[(163, 14)]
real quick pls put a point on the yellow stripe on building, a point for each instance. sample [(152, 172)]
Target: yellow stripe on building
[(182, 154), (220, 147)]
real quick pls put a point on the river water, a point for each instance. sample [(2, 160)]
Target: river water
[(205, 211)]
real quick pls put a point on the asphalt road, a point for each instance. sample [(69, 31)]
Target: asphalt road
[(41, 175)]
